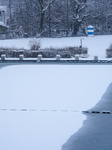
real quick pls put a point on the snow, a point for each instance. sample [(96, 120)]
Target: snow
[(90, 26), (40, 105), (96, 45), (2, 7), (2, 24), (96, 132)]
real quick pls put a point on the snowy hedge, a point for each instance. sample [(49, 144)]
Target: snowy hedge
[(46, 53), (109, 52)]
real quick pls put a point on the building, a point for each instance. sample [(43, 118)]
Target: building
[(3, 27), (3, 14)]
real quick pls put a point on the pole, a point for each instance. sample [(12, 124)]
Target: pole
[(81, 44)]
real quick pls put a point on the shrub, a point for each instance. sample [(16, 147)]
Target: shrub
[(27, 54), (52, 52), (34, 44), (34, 54), (66, 52), (77, 50), (109, 52), (2, 52), (110, 47), (47, 53)]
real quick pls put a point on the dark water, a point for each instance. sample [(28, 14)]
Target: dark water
[(96, 132), (4, 65)]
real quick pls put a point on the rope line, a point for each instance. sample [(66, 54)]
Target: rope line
[(55, 110), (42, 110)]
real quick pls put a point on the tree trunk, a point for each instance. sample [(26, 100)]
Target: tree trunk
[(41, 22), (76, 27), (50, 21), (10, 11), (67, 19)]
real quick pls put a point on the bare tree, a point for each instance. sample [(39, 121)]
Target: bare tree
[(77, 14), (44, 6)]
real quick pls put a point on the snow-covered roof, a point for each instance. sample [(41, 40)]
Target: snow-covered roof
[(2, 7), (2, 24), (90, 26)]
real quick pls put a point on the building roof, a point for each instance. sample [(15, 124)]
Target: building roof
[(2, 7), (2, 24)]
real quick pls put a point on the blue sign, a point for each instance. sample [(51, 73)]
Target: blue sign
[(90, 30)]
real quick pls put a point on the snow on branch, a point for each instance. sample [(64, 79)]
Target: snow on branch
[(81, 8), (108, 4), (89, 15), (49, 3), (76, 1)]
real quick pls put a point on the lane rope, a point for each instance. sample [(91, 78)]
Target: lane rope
[(55, 110), (41, 110)]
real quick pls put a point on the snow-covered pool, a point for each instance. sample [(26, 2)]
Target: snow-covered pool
[(40, 105)]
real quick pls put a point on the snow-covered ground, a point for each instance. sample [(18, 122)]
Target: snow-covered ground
[(40, 105), (96, 45)]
